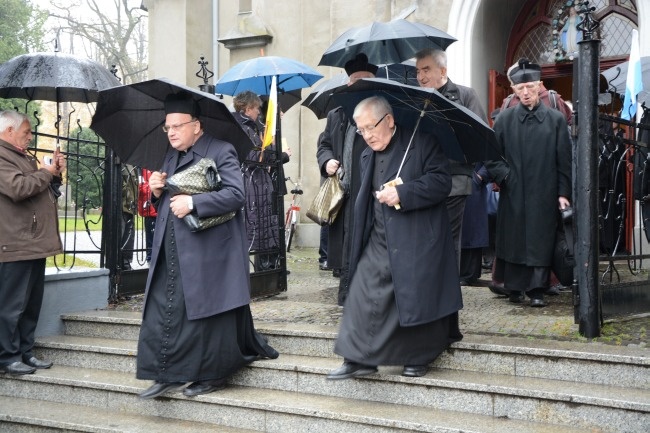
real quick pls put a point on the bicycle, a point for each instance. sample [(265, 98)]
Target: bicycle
[(293, 213)]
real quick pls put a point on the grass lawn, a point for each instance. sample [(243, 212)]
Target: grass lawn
[(94, 223), (49, 262)]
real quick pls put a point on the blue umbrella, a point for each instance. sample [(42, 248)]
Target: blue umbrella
[(256, 74)]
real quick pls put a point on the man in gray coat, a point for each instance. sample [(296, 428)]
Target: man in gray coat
[(431, 67), (29, 232), (534, 180)]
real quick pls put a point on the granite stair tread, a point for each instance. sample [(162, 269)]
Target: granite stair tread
[(73, 418), (289, 403), (516, 345), (505, 384)]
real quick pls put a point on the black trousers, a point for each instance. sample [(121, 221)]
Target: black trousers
[(21, 295), (456, 210)]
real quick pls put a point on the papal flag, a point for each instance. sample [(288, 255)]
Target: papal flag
[(271, 113), (634, 83)]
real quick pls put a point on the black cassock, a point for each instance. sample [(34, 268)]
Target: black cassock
[(370, 331), (172, 348)]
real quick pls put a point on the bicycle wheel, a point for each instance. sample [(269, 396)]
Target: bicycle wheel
[(288, 235)]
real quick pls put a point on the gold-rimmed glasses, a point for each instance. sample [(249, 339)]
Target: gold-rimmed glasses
[(168, 128), (369, 129)]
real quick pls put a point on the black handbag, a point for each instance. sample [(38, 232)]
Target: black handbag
[(201, 177), (563, 258)]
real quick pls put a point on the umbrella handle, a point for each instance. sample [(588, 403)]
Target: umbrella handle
[(426, 102)]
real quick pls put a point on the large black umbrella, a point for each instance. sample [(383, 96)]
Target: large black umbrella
[(320, 99), (54, 77), (461, 133), (391, 42), (404, 72), (130, 118), (617, 77)]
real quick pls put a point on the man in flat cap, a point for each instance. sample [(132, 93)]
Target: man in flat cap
[(339, 146), (196, 325), (534, 183)]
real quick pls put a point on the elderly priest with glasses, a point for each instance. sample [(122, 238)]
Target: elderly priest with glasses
[(404, 297), (197, 326)]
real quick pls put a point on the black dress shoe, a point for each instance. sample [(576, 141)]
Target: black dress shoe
[(553, 290), (498, 290), (204, 387), (516, 297), (159, 388), (37, 363), (538, 303), (17, 368), (351, 369), (414, 370)]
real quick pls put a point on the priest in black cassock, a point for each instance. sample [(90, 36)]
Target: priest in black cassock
[(197, 325), (404, 297)]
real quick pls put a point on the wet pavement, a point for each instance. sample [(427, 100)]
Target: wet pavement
[(311, 298)]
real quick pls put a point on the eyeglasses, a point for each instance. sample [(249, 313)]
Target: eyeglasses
[(371, 128), (176, 127)]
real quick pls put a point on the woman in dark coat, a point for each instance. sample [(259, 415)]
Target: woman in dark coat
[(404, 294), (197, 325), (262, 224)]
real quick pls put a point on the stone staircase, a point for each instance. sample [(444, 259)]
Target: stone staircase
[(482, 384)]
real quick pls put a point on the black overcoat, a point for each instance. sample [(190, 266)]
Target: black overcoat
[(213, 262), (330, 146), (536, 171), (421, 249)]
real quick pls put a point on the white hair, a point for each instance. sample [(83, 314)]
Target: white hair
[(378, 104), (11, 119)]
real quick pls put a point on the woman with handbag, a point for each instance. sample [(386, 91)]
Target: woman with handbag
[(197, 326)]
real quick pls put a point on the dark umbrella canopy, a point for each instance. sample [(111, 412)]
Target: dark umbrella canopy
[(391, 42), (286, 100), (256, 75), (401, 72), (130, 118), (461, 133), (320, 99), (54, 77), (617, 77)]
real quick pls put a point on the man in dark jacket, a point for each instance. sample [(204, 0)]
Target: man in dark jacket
[(404, 297), (340, 147), (29, 232), (534, 182), (431, 68)]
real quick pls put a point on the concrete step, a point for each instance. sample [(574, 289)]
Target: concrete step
[(549, 359), (19, 415), (494, 394), (269, 410)]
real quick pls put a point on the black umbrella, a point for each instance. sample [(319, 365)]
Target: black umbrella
[(404, 72), (617, 77), (130, 118), (286, 100), (320, 99), (54, 77), (461, 133), (391, 42)]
